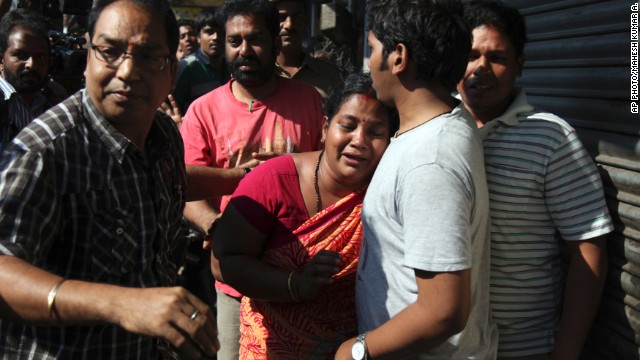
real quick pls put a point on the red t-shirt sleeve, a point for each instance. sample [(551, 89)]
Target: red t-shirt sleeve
[(269, 197), (197, 143)]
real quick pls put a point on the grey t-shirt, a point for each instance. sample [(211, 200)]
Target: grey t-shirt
[(427, 208)]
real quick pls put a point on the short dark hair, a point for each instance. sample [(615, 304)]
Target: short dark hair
[(433, 31), (186, 22), (207, 16), (25, 18), (304, 3), (160, 8), (357, 83), (503, 17), (255, 8)]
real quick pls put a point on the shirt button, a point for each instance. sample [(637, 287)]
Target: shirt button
[(119, 231)]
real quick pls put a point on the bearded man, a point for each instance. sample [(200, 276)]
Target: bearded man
[(24, 46), (254, 116)]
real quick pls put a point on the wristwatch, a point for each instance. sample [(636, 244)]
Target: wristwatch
[(359, 348)]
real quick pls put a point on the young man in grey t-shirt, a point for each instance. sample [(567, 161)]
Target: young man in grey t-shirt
[(423, 277)]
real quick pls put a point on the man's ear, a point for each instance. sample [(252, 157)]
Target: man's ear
[(325, 128), (398, 59), (520, 61)]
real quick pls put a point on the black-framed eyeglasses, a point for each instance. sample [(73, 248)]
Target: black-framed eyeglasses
[(114, 56)]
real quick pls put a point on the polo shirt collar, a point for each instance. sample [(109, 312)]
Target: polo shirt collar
[(518, 106), (306, 62)]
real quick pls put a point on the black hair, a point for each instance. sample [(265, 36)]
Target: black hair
[(501, 16), (186, 22), (357, 83), (206, 17), (255, 8), (433, 32), (304, 3), (26, 18), (160, 8)]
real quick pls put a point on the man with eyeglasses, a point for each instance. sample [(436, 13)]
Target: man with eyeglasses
[(91, 197), (24, 63)]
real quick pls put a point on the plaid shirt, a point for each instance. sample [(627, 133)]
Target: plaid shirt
[(15, 113), (78, 199)]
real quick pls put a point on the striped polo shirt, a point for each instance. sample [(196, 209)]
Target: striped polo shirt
[(15, 114), (543, 187)]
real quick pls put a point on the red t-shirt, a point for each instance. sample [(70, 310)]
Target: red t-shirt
[(219, 130), (274, 207)]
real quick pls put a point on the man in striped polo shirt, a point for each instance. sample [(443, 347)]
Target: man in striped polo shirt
[(543, 187), (24, 62)]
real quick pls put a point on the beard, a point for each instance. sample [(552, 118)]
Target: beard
[(27, 81), (260, 76)]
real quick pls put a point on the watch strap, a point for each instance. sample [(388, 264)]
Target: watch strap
[(361, 339)]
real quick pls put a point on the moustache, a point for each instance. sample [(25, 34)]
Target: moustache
[(248, 60), (29, 74), (288, 33)]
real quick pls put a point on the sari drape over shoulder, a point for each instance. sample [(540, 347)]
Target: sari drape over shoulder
[(309, 329)]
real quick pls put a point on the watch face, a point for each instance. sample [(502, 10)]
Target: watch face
[(357, 351)]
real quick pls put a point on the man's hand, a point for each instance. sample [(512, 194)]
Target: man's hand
[(170, 313), (262, 157), (250, 164), (317, 274), (171, 108)]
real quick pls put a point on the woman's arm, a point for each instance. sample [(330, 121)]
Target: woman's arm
[(238, 248)]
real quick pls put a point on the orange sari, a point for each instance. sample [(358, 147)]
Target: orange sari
[(310, 329)]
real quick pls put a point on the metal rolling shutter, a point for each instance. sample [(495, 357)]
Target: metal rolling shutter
[(578, 66)]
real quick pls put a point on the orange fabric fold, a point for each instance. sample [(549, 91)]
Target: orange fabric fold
[(311, 329)]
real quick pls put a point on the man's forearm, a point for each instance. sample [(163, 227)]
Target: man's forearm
[(205, 182), (583, 289), (28, 302), (441, 311), (200, 214), (414, 330), (154, 312), (77, 302)]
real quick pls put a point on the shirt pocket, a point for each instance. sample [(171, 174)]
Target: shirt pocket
[(115, 244)]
